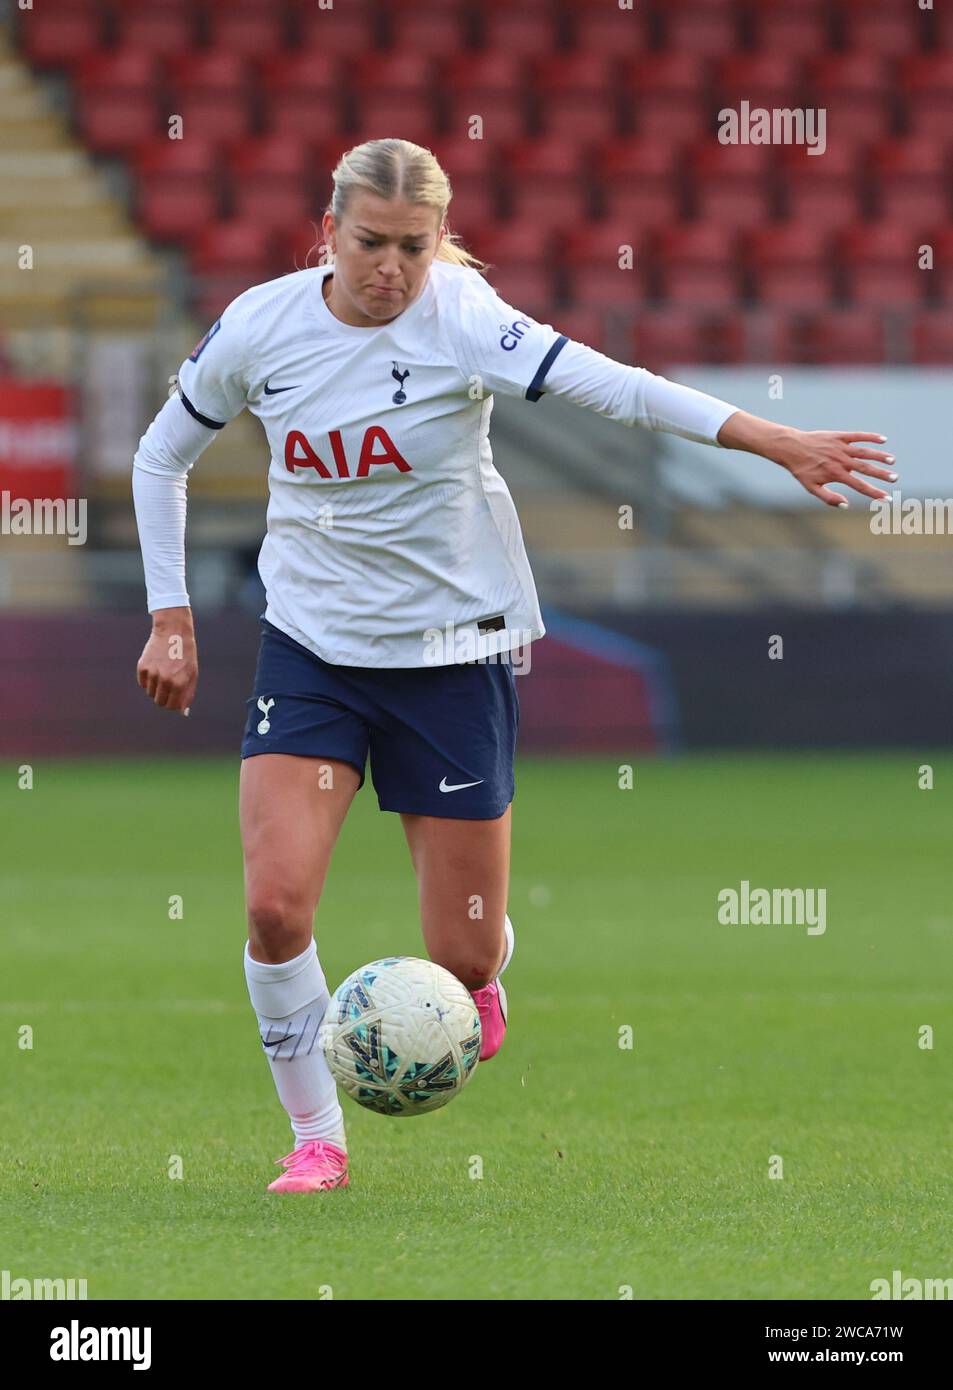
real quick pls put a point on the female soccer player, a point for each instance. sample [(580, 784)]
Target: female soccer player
[(397, 582)]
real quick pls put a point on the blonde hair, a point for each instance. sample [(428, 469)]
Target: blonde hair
[(398, 169)]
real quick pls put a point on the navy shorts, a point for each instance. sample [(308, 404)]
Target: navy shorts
[(442, 739)]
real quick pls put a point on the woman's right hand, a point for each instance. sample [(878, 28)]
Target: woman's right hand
[(168, 669)]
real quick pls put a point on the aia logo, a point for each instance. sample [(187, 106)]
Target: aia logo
[(377, 448), (512, 333)]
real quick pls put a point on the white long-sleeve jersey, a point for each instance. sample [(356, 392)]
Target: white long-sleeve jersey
[(387, 520)]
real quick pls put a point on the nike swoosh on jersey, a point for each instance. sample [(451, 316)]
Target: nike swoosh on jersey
[(273, 390), (459, 786)]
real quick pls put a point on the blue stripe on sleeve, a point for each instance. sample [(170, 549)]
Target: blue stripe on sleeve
[(534, 389)]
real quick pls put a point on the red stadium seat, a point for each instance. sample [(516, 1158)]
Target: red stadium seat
[(227, 257), (272, 182), (127, 68), (710, 27), (245, 27), (522, 261), (638, 180), (192, 158), (494, 86), (116, 107), (586, 326), (855, 91), (341, 30), (932, 338), (823, 189), (212, 92), (231, 246), (529, 29), (178, 186), (926, 81), (796, 28), (601, 28), (940, 278), (60, 32), (210, 69), (669, 94), (395, 91), (698, 264), (591, 257), (547, 181), (577, 95), (439, 28), (913, 181), (303, 94), (762, 79), (734, 184), (297, 249), (667, 338), (472, 167), (882, 26), (791, 265), (163, 29), (265, 156), (766, 334), (879, 263), (846, 335)]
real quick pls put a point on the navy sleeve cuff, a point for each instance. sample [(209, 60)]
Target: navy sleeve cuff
[(535, 389)]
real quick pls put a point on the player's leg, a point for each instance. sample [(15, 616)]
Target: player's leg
[(462, 869), (291, 811), (445, 764)]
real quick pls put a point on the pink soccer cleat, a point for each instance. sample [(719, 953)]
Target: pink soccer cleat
[(314, 1166), (491, 1003)]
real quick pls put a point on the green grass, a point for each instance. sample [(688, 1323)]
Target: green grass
[(601, 1167)]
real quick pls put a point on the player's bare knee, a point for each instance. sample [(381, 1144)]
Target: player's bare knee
[(474, 970), (278, 927)]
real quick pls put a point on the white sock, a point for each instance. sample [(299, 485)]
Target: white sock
[(290, 1000), (510, 943)]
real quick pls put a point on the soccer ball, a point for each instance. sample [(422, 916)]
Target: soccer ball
[(401, 1036)]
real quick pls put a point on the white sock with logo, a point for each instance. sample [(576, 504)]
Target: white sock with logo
[(290, 1000)]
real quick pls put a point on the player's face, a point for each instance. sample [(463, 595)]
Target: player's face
[(382, 252)]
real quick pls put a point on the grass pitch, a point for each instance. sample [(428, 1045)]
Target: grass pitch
[(604, 1168)]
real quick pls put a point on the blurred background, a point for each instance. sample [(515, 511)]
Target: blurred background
[(811, 288)]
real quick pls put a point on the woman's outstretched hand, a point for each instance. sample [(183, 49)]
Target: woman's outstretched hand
[(815, 458)]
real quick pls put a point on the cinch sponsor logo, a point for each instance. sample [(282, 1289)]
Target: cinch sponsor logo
[(75, 1343), (17, 1290), (512, 333), (300, 453), (898, 1287)]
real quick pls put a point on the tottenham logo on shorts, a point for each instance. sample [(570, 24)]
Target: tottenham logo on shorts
[(264, 705), (400, 377)]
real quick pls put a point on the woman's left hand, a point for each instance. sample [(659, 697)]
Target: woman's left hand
[(815, 458)]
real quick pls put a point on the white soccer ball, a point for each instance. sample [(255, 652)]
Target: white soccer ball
[(401, 1036)]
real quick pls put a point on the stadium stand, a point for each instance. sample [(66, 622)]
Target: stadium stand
[(594, 136)]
